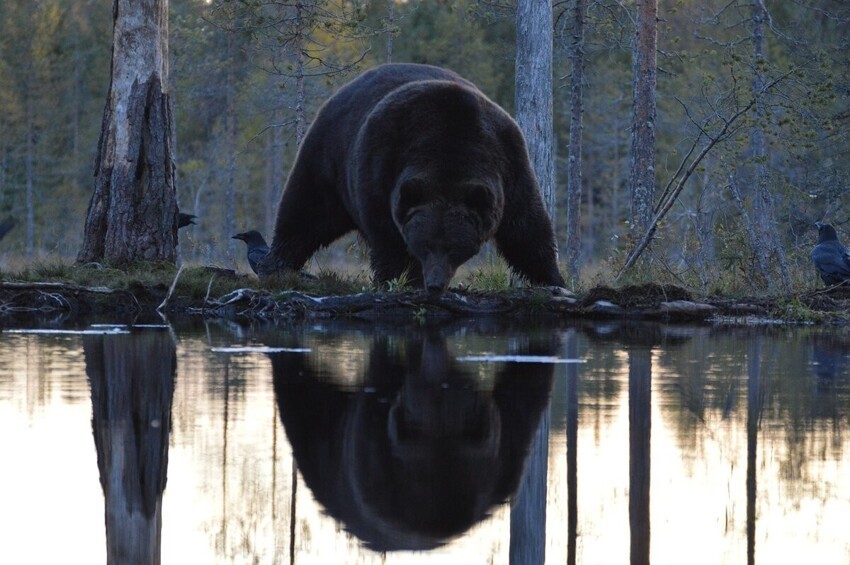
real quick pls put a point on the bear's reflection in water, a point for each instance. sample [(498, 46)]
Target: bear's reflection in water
[(425, 448)]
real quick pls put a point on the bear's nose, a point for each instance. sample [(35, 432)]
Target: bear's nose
[(435, 290), (437, 273)]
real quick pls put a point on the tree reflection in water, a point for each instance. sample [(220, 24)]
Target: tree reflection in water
[(421, 451), (406, 445), (639, 340), (132, 384)]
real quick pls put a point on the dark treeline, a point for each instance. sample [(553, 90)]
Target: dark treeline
[(246, 78)]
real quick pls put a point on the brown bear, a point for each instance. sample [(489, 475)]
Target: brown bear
[(427, 169)]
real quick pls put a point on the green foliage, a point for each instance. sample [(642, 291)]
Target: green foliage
[(492, 274), (793, 310), (399, 284), (420, 313)]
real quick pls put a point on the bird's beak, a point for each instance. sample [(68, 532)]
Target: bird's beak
[(818, 225), (238, 236)]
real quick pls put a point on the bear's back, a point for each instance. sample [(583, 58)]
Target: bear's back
[(331, 136), (344, 112)]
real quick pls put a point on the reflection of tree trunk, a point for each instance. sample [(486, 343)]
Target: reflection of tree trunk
[(274, 466), (224, 429), (572, 448), (528, 511), (292, 514), (640, 396), (132, 384), (753, 413)]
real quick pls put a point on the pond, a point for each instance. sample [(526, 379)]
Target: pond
[(474, 442)]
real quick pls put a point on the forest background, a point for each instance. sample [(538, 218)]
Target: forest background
[(245, 81)]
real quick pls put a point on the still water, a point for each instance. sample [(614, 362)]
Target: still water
[(475, 442)]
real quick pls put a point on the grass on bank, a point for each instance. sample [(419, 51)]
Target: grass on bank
[(195, 282), (487, 272)]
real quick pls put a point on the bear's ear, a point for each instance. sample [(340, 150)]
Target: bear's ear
[(412, 193), (479, 198)]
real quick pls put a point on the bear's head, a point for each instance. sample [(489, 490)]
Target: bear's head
[(444, 224)]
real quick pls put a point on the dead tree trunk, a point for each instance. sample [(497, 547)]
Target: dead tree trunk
[(390, 29), (29, 172), (642, 165), (766, 244), (534, 30), (230, 144), (574, 163), (132, 215), (300, 120)]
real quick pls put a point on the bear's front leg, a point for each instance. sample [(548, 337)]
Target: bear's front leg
[(527, 242), (310, 216)]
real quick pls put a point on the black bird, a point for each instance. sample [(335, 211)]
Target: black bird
[(257, 247), (831, 259), (184, 220)]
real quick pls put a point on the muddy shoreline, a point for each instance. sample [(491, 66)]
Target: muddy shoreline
[(638, 302)]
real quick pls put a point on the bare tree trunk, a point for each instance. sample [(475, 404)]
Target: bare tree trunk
[(749, 228), (766, 243), (4, 164), (133, 212), (230, 145), (273, 158), (300, 122), (642, 173), (76, 101), (574, 163), (534, 30), (278, 174), (29, 172), (390, 29), (704, 212)]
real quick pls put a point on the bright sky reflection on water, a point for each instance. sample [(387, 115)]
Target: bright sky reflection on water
[(747, 451)]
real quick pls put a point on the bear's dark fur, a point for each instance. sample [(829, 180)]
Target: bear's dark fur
[(427, 169)]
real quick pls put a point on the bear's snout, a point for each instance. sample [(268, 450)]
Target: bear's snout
[(437, 275)]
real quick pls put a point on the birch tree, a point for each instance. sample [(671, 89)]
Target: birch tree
[(133, 212)]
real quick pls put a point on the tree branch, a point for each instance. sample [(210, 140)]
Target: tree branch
[(665, 206)]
